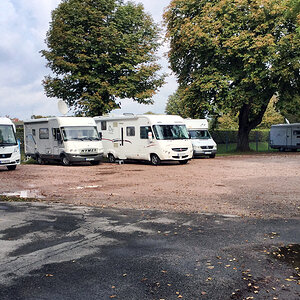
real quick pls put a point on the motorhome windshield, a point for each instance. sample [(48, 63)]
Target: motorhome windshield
[(170, 132), (81, 133), (199, 134), (7, 136)]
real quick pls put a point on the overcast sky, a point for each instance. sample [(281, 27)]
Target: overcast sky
[(23, 27)]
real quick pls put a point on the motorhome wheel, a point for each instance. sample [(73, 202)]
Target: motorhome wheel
[(39, 160), (65, 161), (212, 155), (11, 168), (155, 160), (111, 158), (95, 162)]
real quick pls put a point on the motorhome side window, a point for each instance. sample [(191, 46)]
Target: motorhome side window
[(144, 132), (44, 133), (33, 132), (103, 125), (130, 131)]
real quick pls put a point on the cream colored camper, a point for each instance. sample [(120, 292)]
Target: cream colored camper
[(10, 155), (153, 138)]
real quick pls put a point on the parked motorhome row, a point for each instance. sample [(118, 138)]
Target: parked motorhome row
[(153, 138), (9, 146), (285, 136), (65, 139)]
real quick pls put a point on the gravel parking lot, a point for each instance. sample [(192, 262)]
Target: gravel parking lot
[(263, 186)]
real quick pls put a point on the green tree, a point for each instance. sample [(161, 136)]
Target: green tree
[(234, 55), (100, 51), (175, 105)]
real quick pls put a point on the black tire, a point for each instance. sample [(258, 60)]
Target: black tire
[(183, 162), (39, 160), (111, 158), (11, 168), (155, 160), (65, 161), (95, 162), (212, 155)]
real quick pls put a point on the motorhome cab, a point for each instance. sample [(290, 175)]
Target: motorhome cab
[(285, 136), (203, 144), (9, 148), (65, 139), (152, 138)]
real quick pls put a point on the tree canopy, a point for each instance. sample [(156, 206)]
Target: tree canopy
[(100, 51), (234, 55)]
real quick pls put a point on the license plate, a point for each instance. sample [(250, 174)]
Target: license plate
[(88, 159), (207, 153)]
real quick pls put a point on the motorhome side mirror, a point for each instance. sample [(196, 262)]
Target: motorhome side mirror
[(100, 136), (150, 137)]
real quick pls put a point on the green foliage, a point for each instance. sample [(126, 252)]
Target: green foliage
[(271, 116), (227, 122), (99, 51), (175, 106), (234, 55)]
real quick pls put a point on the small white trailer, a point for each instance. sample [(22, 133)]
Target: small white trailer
[(153, 138), (203, 143), (10, 155), (285, 137), (64, 139)]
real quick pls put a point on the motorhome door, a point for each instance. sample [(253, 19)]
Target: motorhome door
[(122, 148)]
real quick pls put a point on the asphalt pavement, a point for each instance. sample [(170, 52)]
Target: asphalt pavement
[(53, 251)]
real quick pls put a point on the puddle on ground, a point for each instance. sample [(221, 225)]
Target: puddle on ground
[(24, 194), (289, 254)]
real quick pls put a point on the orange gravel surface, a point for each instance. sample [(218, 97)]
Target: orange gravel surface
[(265, 185)]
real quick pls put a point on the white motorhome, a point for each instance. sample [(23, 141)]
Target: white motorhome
[(285, 136), (203, 143), (10, 155), (65, 139), (153, 138)]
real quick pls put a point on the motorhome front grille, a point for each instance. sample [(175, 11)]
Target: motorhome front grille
[(8, 155), (207, 147), (179, 149), (88, 150), (178, 157)]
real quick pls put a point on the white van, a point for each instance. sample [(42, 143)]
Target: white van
[(10, 155), (153, 138), (285, 136), (203, 143), (65, 139)]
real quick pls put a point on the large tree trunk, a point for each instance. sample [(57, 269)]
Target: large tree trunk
[(244, 129), (246, 125)]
